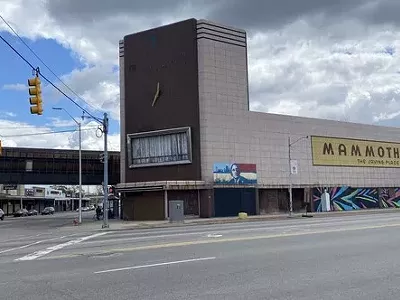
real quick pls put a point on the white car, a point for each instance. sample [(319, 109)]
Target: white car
[(1, 214)]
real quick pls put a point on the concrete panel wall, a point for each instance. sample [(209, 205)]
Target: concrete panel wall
[(229, 132)]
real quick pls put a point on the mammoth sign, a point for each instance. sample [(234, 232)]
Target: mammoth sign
[(328, 151)]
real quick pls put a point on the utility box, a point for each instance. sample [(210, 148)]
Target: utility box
[(176, 211)]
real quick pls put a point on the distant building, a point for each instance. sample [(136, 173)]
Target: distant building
[(13, 197)]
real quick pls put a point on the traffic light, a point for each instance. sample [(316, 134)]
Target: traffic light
[(36, 92), (101, 157), (111, 190)]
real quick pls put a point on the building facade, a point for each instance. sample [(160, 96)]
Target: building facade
[(187, 134), (16, 196)]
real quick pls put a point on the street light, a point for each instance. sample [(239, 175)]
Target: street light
[(80, 160), (290, 144)]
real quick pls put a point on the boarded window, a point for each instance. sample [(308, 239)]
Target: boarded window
[(165, 147)]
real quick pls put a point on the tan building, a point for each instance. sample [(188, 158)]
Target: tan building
[(186, 131)]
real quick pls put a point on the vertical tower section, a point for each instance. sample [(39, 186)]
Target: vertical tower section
[(122, 111), (223, 87), (159, 104)]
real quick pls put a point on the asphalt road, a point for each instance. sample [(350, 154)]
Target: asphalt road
[(351, 257)]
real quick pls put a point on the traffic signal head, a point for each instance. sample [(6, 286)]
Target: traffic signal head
[(36, 92)]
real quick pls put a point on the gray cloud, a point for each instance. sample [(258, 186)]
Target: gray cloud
[(257, 14), (380, 12), (252, 15), (150, 10), (319, 58), (94, 9)]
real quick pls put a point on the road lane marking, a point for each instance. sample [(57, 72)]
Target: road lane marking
[(48, 250), (134, 238), (120, 237), (214, 235), (156, 265), (222, 240), (21, 247)]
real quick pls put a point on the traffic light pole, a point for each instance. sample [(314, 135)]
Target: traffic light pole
[(80, 172), (105, 182)]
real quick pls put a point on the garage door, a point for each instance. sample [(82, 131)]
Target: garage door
[(230, 201)]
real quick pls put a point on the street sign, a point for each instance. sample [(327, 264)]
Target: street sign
[(9, 187), (294, 167)]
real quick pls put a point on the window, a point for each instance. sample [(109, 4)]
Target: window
[(161, 147), (29, 166)]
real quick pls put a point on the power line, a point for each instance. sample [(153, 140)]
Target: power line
[(51, 83), (48, 68), (23, 58), (40, 127), (43, 133), (68, 97)]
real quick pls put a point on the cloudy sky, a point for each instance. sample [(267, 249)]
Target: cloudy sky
[(317, 58)]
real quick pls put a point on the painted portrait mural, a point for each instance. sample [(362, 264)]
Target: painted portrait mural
[(235, 173)]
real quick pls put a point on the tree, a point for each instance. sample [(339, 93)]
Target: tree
[(99, 190)]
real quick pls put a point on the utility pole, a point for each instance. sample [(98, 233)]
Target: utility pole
[(290, 144), (105, 182), (290, 180), (104, 159), (80, 172)]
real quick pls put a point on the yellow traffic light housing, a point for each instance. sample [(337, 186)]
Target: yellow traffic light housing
[(36, 92)]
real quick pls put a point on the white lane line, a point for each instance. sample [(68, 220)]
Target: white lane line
[(22, 247), (213, 235), (156, 265), (48, 250)]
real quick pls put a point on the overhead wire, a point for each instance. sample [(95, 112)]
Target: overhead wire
[(40, 127), (50, 82), (45, 133), (48, 68), (19, 54)]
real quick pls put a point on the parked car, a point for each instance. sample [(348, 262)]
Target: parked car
[(33, 212), (48, 210), (21, 213), (1, 214), (84, 208)]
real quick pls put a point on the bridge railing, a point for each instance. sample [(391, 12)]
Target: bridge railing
[(55, 166)]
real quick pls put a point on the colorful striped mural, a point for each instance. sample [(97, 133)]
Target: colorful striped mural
[(390, 197), (349, 198)]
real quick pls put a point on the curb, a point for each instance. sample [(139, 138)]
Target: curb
[(249, 220)]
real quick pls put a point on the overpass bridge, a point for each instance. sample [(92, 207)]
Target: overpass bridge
[(55, 166)]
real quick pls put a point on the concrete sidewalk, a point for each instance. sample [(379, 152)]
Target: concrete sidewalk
[(116, 225)]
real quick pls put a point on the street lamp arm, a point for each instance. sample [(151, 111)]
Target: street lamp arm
[(66, 111), (290, 144), (80, 160), (77, 123), (298, 140)]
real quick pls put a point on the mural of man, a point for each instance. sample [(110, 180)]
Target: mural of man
[(236, 177)]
